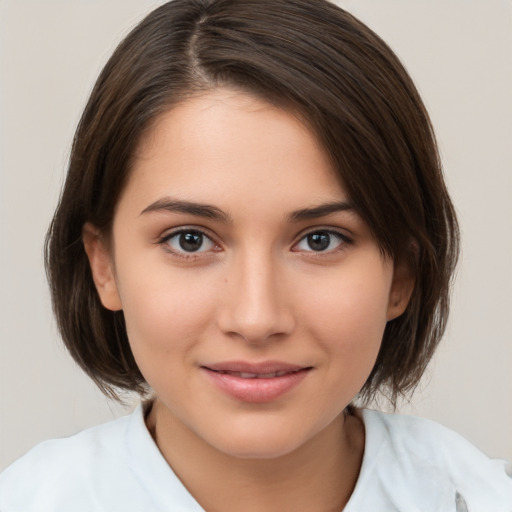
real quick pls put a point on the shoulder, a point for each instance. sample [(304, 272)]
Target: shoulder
[(115, 466), (409, 457), (59, 471), (424, 439)]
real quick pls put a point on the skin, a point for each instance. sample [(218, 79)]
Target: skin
[(256, 290)]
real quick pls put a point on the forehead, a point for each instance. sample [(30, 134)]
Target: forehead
[(225, 145)]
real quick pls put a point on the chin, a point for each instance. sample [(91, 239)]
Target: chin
[(267, 442), (260, 449)]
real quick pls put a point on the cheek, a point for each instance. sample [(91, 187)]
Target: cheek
[(164, 311), (349, 317)]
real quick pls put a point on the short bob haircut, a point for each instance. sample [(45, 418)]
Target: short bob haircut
[(331, 71)]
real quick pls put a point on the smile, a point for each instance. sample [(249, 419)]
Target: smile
[(247, 375), (255, 383)]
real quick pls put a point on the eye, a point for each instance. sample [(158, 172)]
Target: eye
[(321, 241), (189, 241)]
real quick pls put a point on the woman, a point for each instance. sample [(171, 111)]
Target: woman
[(254, 233)]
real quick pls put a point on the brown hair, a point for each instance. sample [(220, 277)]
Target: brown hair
[(307, 56)]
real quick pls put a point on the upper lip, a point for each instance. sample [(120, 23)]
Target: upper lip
[(264, 367)]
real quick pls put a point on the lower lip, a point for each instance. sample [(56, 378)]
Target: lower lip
[(256, 390)]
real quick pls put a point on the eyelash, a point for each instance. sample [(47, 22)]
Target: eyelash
[(164, 241), (191, 255), (343, 240)]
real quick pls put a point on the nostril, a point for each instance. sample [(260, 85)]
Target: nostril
[(256, 326), (253, 308)]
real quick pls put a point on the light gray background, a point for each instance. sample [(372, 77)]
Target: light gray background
[(460, 54)]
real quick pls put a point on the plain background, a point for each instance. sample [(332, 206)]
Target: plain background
[(460, 54)]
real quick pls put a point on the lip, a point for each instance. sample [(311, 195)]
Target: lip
[(255, 382)]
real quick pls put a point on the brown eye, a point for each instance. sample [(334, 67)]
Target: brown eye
[(321, 241), (189, 241), (318, 241)]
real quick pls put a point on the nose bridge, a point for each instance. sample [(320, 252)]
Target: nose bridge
[(256, 308)]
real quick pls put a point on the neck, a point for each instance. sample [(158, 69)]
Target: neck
[(318, 476)]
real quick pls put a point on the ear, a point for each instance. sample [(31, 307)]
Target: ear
[(401, 291), (101, 267)]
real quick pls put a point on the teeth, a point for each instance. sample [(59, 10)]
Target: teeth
[(246, 375)]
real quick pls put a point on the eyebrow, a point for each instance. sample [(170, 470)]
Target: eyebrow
[(168, 204), (320, 211)]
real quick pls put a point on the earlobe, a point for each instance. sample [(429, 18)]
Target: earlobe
[(401, 292), (102, 269)]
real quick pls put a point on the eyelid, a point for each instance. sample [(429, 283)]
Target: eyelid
[(169, 234), (336, 232)]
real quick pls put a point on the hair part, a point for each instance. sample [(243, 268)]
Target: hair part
[(313, 59)]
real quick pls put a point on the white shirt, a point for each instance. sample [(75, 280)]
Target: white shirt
[(410, 464)]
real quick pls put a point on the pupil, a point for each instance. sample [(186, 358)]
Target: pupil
[(191, 241), (319, 241)]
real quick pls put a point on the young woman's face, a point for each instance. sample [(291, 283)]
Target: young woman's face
[(255, 297)]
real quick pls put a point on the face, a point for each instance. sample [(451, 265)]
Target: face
[(255, 297)]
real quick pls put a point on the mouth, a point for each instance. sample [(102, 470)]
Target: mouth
[(256, 383), (261, 370), (249, 375)]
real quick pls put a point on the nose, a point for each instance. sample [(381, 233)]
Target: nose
[(256, 307)]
